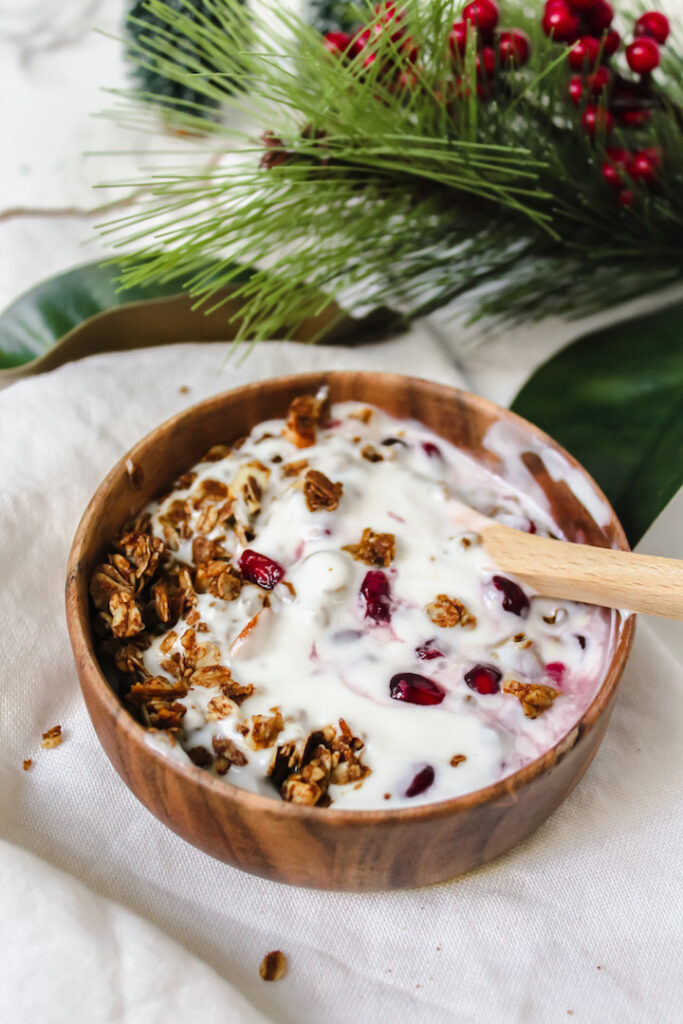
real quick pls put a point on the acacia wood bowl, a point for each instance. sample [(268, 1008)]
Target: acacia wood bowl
[(323, 847)]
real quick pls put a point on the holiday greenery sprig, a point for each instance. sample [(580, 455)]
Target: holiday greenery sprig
[(427, 154)]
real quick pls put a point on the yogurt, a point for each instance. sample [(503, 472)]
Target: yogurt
[(345, 638)]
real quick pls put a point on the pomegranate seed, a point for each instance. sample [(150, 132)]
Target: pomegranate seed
[(556, 670), (643, 55), (427, 652), (413, 688), (375, 591), (484, 14), (260, 569), (532, 527), (515, 48), (655, 25), (514, 598), (484, 679), (641, 168), (431, 449), (575, 89), (423, 780)]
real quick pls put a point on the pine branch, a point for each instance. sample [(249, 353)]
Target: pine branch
[(379, 193)]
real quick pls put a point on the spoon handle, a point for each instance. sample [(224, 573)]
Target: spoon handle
[(579, 572)]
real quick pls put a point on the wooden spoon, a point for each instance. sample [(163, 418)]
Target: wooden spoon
[(580, 572)]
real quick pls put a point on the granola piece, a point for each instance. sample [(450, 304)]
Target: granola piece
[(27, 764), (156, 688), (266, 729), (168, 641), (535, 698), (208, 490), (320, 492), (249, 484), (208, 519), (303, 418), (364, 415), (237, 692), (52, 738), (371, 454), (227, 754), (211, 675), (457, 759), (185, 480), (128, 659), (200, 756), (294, 468), (448, 611), (273, 966), (219, 707), (295, 790), (205, 550), (216, 453), (107, 580), (126, 619), (219, 578), (373, 548), (164, 715)]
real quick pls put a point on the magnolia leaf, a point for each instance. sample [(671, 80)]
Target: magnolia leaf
[(614, 399), (82, 312)]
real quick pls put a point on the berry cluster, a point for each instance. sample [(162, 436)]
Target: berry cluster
[(496, 50), (606, 96)]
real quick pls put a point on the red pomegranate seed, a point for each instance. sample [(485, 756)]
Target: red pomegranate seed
[(413, 688), (423, 780), (427, 651), (259, 569), (484, 679), (514, 598), (556, 670), (375, 591), (431, 449)]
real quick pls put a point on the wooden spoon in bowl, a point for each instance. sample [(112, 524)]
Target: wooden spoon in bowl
[(580, 572)]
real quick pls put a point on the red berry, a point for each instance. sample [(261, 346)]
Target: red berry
[(642, 168), (486, 65), (561, 24), (427, 651), (429, 448), (575, 89), (457, 38), (259, 569), (514, 598), (599, 17), (611, 43), (484, 679), (359, 42), (611, 176), (642, 56), (584, 53), (654, 155), (655, 25), (337, 42), (626, 198), (484, 14), (423, 780), (375, 591), (412, 688), (618, 155), (599, 80), (596, 119), (582, 5), (634, 118), (514, 46)]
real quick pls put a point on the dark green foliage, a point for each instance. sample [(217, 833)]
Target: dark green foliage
[(333, 15), (141, 19)]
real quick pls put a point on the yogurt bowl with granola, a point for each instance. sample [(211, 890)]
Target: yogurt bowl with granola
[(303, 621)]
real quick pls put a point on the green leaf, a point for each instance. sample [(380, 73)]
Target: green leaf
[(614, 399), (39, 318)]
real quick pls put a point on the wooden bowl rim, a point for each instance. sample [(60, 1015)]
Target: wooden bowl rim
[(78, 622)]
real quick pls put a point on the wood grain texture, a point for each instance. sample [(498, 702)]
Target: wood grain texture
[(577, 572), (324, 848)]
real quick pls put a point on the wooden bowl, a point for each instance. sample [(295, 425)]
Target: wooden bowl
[(309, 846)]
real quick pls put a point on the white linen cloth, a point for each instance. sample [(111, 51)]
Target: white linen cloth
[(106, 917)]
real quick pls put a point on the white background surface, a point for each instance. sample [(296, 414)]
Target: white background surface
[(105, 916)]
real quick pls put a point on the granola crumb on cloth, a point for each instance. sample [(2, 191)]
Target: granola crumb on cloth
[(52, 738), (273, 966)]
